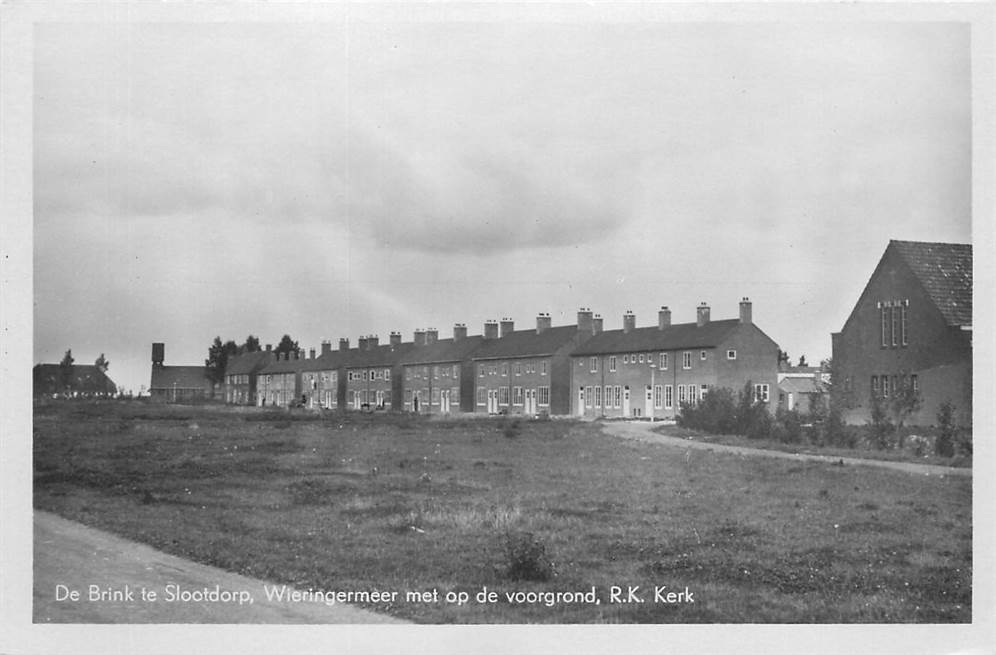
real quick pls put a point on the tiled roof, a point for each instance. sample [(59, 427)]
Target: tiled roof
[(385, 355), (284, 365), (945, 271), (183, 377), (88, 378), (444, 350), (247, 362), (681, 335), (527, 343), (798, 385)]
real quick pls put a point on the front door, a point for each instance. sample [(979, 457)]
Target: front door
[(581, 401), (649, 411), (492, 401), (626, 401), (444, 401), (530, 402)]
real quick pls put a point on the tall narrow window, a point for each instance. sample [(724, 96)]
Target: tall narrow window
[(895, 325), (915, 381), (663, 361), (902, 322), (874, 385), (658, 397), (612, 364), (593, 364), (885, 325), (668, 396), (686, 360), (587, 397)]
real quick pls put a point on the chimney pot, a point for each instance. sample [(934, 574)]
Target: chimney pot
[(596, 324), (629, 322), (702, 314), (543, 323)]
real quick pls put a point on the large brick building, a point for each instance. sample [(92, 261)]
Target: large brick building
[(439, 373), (528, 371), (178, 384), (652, 371), (911, 328), (242, 373), (373, 373)]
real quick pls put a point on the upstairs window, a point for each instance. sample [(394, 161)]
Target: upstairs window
[(612, 364), (902, 322), (731, 354), (686, 360), (664, 361), (885, 324), (593, 364)]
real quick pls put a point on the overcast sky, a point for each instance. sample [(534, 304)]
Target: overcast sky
[(333, 179)]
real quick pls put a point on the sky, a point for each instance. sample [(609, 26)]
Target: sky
[(362, 175)]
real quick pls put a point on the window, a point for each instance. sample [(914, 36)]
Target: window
[(686, 360), (641, 358), (516, 395), (456, 370), (618, 395), (518, 368), (682, 398), (387, 374), (482, 396), (598, 396), (885, 324), (502, 395), (504, 369), (761, 393), (663, 361), (885, 386), (668, 396), (612, 364), (703, 390), (543, 368), (902, 322), (731, 354), (587, 396), (435, 372), (608, 396), (658, 397), (480, 370), (692, 396), (625, 359), (593, 364), (915, 381), (408, 397), (895, 384), (702, 355), (543, 396), (408, 373), (875, 385), (895, 325)]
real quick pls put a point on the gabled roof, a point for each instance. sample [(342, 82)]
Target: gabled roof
[(675, 337), (526, 343), (85, 378), (945, 271), (385, 355), (247, 362), (799, 385), (183, 377), (444, 350)]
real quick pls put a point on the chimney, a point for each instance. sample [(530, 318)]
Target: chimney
[(326, 348), (507, 326), (431, 336), (372, 341), (543, 323), (343, 344), (596, 324), (361, 343), (745, 311), (311, 354), (664, 318), (158, 354), (459, 331), (269, 347), (419, 337), (490, 329), (395, 338), (629, 321), (702, 315), (584, 320)]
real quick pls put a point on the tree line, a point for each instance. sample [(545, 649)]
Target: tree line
[(219, 353)]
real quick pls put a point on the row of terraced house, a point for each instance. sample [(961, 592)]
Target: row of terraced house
[(578, 369)]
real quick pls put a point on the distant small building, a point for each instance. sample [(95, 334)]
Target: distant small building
[(178, 384), (910, 330), (801, 386), (83, 381)]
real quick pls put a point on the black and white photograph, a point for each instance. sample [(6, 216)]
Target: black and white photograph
[(471, 327)]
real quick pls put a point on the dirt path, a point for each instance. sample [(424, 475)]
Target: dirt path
[(641, 430), (75, 556)]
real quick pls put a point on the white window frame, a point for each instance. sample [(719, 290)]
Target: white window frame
[(731, 354), (612, 364), (593, 364), (664, 361), (686, 360)]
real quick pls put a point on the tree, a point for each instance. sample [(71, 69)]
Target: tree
[(251, 345), (287, 345), (102, 364), (66, 370), (904, 402), (217, 360), (783, 357)]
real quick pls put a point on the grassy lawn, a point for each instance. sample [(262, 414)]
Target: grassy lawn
[(364, 502), (862, 451)]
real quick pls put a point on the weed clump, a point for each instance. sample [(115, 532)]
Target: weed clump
[(511, 429), (527, 558)]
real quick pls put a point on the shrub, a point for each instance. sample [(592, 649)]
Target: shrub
[(944, 445), (511, 429), (527, 557), (760, 425), (836, 433), (881, 426), (788, 428), (716, 413)]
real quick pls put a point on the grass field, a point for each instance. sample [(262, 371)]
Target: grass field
[(364, 502)]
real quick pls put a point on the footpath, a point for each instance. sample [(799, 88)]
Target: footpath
[(69, 556), (642, 431)]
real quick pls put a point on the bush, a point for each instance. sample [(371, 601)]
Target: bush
[(836, 433), (944, 445), (882, 428), (511, 429), (527, 557), (788, 428), (716, 413)]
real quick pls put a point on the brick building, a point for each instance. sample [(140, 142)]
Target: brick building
[(651, 371), (911, 328), (373, 373), (320, 387), (241, 376), (528, 371), (279, 382), (438, 374), (178, 384)]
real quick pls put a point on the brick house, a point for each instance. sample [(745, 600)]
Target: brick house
[(241, 375), (528, 371), (320, 378), (279, 382), (438, 374), (373, 373), (911, 328), (651, 371), (178, 384)]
